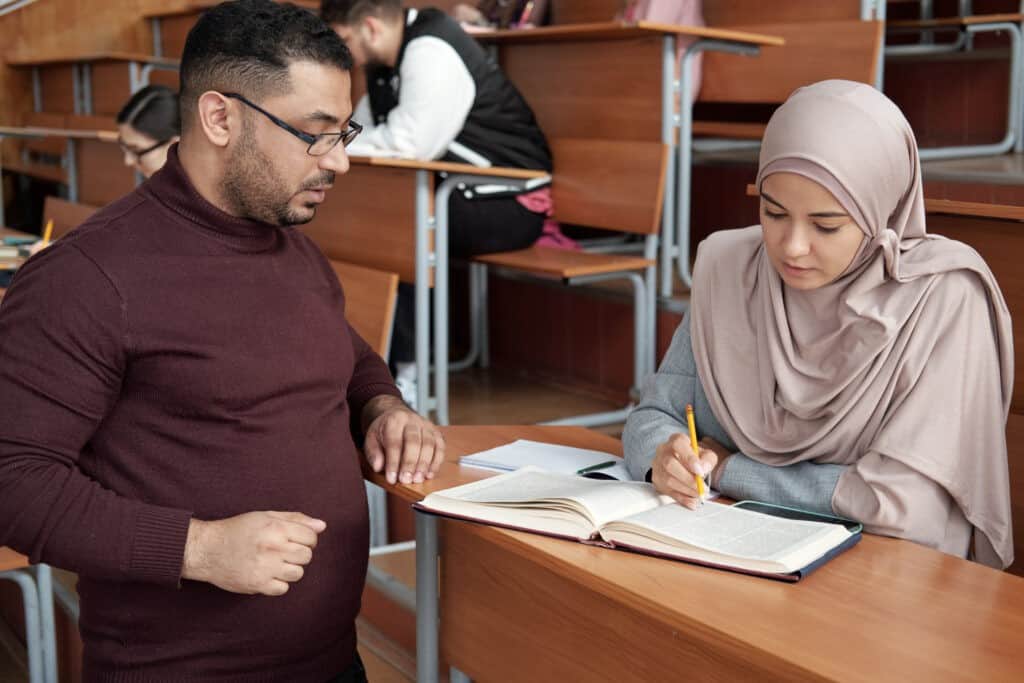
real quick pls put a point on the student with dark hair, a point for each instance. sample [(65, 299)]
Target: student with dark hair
[(434, 93), (181, 395), (147, 125)]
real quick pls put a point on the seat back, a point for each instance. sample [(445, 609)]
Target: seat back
[(66, 216), (348, 224), (369, 302), (613, 184)]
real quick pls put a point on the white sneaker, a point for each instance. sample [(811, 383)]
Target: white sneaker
[(405, 380)]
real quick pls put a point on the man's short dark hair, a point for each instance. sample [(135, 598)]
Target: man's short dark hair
[(349, 12), (246, 46)]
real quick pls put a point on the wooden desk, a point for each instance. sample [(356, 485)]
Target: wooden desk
[(64, 83), (68, 175), (521, 607), (601, 80)]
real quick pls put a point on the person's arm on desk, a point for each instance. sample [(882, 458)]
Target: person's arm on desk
[(656, 428), (398, 441), (436, 96)]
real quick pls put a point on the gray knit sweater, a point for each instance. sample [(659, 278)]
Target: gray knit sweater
[(661, 413)]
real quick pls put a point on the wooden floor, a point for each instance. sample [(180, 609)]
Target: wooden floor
[(477, 397)]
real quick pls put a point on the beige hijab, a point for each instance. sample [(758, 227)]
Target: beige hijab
[(907, 356)]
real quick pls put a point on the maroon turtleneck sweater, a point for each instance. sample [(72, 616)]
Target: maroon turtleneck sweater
[(167, 361)]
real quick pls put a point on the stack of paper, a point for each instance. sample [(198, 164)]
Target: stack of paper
[(550, 457)]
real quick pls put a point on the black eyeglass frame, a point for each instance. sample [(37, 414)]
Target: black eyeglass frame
[(345, 137), (143, 152)]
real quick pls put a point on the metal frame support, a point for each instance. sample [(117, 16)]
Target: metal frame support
[(439, 402), (1014, 104), (684, 159), (427, 599), (669, 95), (85, 71), (424, 263), (40, 638), (71, 166), (158, 40)]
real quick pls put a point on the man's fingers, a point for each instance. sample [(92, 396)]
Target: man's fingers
[(435, 464), (296, 553), (313, 523), (374, 454), (275, 587), (392, 436), (425, 459), (411, 442), (289, 572)]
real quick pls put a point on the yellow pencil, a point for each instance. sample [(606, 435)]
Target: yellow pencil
[(48, 232), (696, 449)]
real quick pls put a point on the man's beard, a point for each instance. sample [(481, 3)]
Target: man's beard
[(254, 190)]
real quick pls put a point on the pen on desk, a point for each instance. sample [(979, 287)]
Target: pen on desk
[(48, 232), (701, 491), (598, 466)]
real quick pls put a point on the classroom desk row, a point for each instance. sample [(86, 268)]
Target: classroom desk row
[(511, 606)]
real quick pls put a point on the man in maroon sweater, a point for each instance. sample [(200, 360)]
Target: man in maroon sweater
[(180, 393)]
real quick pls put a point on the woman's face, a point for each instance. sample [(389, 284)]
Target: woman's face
[(141, 152), (809, 237)]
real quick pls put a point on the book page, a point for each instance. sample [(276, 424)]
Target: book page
[(730, 533), (597, 501)]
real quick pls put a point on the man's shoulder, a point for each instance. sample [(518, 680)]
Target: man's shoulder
[(108, 225)]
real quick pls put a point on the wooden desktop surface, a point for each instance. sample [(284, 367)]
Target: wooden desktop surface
[(621, 30), (519, 607), (92, 57), (42, 132)]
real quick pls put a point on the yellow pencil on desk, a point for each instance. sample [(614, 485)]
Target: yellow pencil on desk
[(48, 232), (701, 489)]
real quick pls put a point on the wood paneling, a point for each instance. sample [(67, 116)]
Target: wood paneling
[(64, 27), (610, 183), (1001, 244), (66, 216), (590, 89), (369, 302), (739, 12), (57, 89), (102, 175), (838, 49), (111, 87), (369, 218)]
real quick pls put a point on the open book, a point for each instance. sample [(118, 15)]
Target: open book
[(632, 516)]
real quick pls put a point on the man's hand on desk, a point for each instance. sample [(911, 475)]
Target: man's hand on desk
[(408, 447)]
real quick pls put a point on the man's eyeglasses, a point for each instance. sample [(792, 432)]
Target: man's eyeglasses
[(139, 153), (318, 144)]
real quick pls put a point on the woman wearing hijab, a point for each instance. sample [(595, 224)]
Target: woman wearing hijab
[(838, 357)]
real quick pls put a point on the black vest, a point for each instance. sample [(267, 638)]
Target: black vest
[(500, 125)]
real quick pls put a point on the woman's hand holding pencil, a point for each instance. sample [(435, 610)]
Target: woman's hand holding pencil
[(679, 470)]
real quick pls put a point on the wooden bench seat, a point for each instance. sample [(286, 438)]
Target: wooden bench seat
[(563, 264)]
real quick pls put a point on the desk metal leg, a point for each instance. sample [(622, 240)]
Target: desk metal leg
[(684, 165), (441, 298), (44, 583), (424, 262), (427, 600), (669, 84), (456, 676)]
